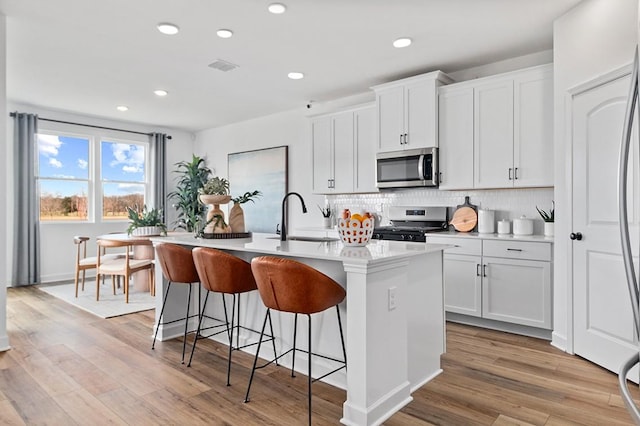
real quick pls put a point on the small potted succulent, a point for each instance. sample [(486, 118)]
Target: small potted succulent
[(236, 214), (215, 192), (548, 217), (145, 222)]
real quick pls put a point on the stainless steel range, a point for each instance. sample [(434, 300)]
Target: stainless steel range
[(411, 223)]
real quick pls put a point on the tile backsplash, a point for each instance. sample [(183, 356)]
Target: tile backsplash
[(507, 203)]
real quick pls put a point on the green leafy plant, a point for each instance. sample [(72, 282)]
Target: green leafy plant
[(247, 196), (547, 216), (215, 186), (140, 218), (326, 211), (192, 175)]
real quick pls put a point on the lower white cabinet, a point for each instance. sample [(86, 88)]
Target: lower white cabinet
[(508, 281)]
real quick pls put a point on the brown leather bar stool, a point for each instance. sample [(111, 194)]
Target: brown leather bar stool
[(177, 267), (223, 273), (290, 286)]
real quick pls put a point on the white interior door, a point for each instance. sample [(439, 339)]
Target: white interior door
[(603, 318)]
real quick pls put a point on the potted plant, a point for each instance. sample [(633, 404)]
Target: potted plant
[(548, 218), (145, 222), (214, 192), (326, 214), (191, 178), (236, 214)]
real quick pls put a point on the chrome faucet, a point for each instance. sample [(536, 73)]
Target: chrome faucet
[(283, 226)]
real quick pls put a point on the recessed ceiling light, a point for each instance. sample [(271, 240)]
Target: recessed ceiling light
[(167, 28), (122, 108), (161, 92), (402, 42), (224, 33), (277, 8), (295, 75)]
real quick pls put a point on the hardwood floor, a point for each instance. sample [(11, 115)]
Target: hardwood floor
[(69, 367)]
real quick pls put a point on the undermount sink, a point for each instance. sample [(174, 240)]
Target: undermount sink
[(311, 239)]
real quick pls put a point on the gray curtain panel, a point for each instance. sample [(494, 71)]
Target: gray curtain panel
[(159, 171), (26, 212)]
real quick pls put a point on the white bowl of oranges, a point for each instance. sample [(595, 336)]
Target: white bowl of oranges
[(355, 230)]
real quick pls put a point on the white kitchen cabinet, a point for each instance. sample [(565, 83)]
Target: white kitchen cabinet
[(455, 117), (343, 149), (505, 124), (500, 280), (407, 112)]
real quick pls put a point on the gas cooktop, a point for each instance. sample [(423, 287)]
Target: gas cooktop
[(411, 223)]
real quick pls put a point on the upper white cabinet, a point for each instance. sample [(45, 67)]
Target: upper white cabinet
[(497, 132), (408, 112), (343, 149)]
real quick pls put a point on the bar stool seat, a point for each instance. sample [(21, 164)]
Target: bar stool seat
[(223, 273), (290, 286)]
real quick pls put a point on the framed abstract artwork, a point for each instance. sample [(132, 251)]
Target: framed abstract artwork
[(263, 170)]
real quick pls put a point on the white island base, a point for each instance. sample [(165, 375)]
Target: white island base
[(394, 318)]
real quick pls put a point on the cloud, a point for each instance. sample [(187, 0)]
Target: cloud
[(131, 157), (82, 164), (64, 176), (49, 145), (130, 188), (55, 163)]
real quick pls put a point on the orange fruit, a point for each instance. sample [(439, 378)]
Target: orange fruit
[(357, 217)]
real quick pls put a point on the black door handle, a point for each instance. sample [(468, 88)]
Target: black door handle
[(576, 236)]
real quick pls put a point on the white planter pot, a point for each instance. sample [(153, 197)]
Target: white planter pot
[(548, 229), (146, 231)]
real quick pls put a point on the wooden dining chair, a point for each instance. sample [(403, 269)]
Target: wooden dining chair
[(84, 262), (124, 266)]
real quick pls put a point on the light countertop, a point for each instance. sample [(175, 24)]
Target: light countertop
[(507, 237), (376, 251)]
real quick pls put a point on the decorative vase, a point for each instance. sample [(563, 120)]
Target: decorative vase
[(147, 231), (236, 218), (327, 222), (215, 225), (548, 229)]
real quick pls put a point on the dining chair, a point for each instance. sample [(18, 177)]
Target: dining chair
[(124, 266), (84, 262)]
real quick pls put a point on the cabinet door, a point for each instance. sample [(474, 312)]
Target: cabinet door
[(455, 115), (462, 284), (533, 129), (517, 291), (493, 134), (322, 161), (420, 125), (390, 119), (365, 150), (343, 157)]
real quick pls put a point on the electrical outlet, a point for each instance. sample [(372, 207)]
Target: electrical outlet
[(392, 298)]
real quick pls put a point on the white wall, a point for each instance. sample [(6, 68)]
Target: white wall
[(593, 38), (57, 248), (4, 277)]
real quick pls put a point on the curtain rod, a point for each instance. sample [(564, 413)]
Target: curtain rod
[(13, 114)]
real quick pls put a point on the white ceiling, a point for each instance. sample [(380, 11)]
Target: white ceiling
[(88, 56)]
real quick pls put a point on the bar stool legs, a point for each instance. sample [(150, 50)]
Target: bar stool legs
[(310, 379)]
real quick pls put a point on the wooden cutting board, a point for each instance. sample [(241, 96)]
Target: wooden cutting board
[(465, 217)]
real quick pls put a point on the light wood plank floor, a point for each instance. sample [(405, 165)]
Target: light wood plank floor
[(68, 367)]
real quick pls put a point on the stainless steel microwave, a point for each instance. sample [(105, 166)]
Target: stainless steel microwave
[(408, 168)]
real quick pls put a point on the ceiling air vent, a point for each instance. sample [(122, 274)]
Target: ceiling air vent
[(222, 65)]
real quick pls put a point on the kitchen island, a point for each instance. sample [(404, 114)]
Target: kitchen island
[(394, 315)]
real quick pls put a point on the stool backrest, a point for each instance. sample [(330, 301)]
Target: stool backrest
[(291, 286), (222, 272), (176, 263)]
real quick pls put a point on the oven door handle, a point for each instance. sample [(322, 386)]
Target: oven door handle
[(421, 167)]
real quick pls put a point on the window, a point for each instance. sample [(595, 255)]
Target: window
[(80, 176), (123, 178)]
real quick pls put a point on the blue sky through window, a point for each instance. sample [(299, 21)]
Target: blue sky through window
[(63, 157)]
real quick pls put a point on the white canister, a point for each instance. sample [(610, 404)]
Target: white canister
[(504, 226), (486, 221), (522, 226)]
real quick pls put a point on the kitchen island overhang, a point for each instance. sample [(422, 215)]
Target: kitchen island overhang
[(395, 330)]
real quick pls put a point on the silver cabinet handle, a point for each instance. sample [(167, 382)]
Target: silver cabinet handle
[(510, 249), (401, 143), (515, 173), (405, 139), (440, 177), (484, 270), (477, 269), (510, 173)]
